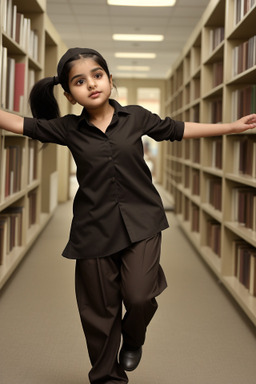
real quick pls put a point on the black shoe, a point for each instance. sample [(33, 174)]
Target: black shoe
[(129, 359)]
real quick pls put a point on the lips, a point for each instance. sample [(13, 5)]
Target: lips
[(94, 95)]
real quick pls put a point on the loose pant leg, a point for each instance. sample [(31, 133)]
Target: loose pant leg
[(142, 279), (100, 307)]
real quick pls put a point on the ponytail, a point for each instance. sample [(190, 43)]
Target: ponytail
[(42, 102)]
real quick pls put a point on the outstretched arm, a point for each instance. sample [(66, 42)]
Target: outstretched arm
[(11, 122), (196, 130)]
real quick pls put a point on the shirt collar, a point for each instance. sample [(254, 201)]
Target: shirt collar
[(119, 110)]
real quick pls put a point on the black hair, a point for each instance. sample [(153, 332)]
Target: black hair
[(43, 103)]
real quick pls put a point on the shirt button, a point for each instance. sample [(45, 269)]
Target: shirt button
[(113, 179), (110, 158)]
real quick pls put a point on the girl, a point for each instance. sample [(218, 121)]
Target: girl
[(118, 217)]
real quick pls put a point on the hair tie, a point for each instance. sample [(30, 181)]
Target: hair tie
[(56, 80)]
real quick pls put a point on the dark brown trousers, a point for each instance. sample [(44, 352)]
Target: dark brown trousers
[(132, 277)]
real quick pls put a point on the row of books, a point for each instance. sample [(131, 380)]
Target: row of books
[(12, 164), (195, 218), (243, 101), (214, 192), (18, 27), (216, 37), (196, 151), (10, 230), (245, 156), (213, 239), (242, 7), (186, 181), (217, 153), (12, 83), (244, 204), (32, 163), (216, 111), (32, 204), (244, 266), (244, 56), (195, 182), (217, 73)]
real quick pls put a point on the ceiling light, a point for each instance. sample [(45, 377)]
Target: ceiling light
[(133, 68), (143, 3), (131, 75), (135, 55), (134, 37)]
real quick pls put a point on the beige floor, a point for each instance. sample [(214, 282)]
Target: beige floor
[(198, 336)]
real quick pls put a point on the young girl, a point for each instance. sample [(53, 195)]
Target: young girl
[(118, 217)]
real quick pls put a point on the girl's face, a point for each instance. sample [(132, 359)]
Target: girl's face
[(89, 84)]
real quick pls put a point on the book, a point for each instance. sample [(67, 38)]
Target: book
[(243, 199), (252, 283), (9, 18), (19, 87), (244, 56), (195, 223), (32, 201), (245, 155), (4, 77), (19, 28), (13, 161), (214, 236), (242, 7), (11, 224), (10, 83), (32, 163), (242, 263), (217, 153), (195, 183), (243, 101), (216, 37), (4, 16), (216, 111), (217, 72), (214, 193), (14, 22)]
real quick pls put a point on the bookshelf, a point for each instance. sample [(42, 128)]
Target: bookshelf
[(213, 180), (29, 50)]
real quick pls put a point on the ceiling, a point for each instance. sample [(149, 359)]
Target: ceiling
[(91, 23)]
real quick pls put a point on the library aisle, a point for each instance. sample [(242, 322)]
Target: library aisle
[(199, 334)]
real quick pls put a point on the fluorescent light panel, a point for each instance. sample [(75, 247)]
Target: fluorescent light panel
[(132, 75), (133, 68), (135, 37), (135, 55), (143, 3)]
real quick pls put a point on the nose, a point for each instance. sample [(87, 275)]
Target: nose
[(90, 84)]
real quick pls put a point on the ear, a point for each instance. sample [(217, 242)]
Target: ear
[(111, 81), (70, 98)]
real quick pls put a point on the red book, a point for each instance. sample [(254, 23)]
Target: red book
[(19, 85)]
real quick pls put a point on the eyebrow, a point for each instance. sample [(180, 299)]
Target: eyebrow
[(81, 74)]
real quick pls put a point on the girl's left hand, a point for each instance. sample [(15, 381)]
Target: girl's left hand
[(246, 122)]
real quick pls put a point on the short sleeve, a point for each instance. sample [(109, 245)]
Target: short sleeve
[(46, 131), (163, 129)]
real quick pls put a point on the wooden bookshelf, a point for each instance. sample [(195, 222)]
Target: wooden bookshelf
[(213, 180), (28, 172)]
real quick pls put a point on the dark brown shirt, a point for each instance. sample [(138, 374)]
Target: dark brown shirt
[(116, 203)]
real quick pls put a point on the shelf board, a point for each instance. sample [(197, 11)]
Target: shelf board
[(15, 257), (243, 28), (242, 296), (208, 208), (216, 55), (242, 179), (247, 234)]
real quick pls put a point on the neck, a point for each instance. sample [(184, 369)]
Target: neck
[(100, 113), (101, 117)]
